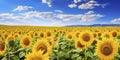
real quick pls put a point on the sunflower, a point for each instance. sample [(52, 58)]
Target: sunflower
[(36, 56), (99, 34), (26, 42), (48, 33), (69, 36), (41, 35), (106, 49), (78, 44), (77, 33), (95, 35), (35, 34), (2, 48), (106, 35), (9, 38), (86, 38), (114, 33), (5, 35), (42, 45)]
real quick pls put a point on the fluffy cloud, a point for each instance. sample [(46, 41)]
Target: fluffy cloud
[(59, 11), (89, 12), (76, 1), (87, 17), (89, 5), (72, 5), (20, 8), (48, 2), (7, 16), (37, 18), (116, 20)]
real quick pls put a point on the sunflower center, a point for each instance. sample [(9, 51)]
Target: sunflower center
[(26, 41), (106, 49), (10, 38), (16, 36), (80, 45), (55, 39), (95, 35), (2, 46), (48, 34), (77, 34), (41, 35), (36, 34), (6, 36), (114, 34), (36, 58), (107, 36), (99, 34), (42, 47), (86, 37), (69, 37)]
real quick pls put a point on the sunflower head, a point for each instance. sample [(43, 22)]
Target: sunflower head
[(25, 42), (9, 38), (37, 56), (48, 33), (114, 33), (42, 45), (42, 35), (86, 38), (106, 49), (2, 48), (69, 36), (78, 44), (77, 34)]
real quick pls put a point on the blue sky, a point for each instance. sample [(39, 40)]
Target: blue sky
[(59, 12)]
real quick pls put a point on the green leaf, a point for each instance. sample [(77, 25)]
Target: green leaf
[(15, 58), (74, 56), (89, 54), (79, 58), (4, 58), (21, 54)]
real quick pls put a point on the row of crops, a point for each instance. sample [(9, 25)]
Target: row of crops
[(59, 43)]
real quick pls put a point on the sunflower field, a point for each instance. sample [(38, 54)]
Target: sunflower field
[(59, 43)]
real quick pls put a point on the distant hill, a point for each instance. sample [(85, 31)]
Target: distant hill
[(96, 25)]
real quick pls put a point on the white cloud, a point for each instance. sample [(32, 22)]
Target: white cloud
[(48, 2), (87, 17), (76, 1), (7, 16), (91, 17), (89, 12), (20, 8), (72, 5), (89, 5), (39, 18), (116, 20), (59, 11)]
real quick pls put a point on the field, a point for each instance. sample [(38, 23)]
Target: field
[(59, 43)]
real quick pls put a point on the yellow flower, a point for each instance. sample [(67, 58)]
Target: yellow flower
[(69, 36), (26, 42), (37, 56), (78, 44), (48, 33), (107, 49), (106, 35), (114, 33), (42, 45), (2, 48), (9, 38), (41, 34), (86, 38)]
